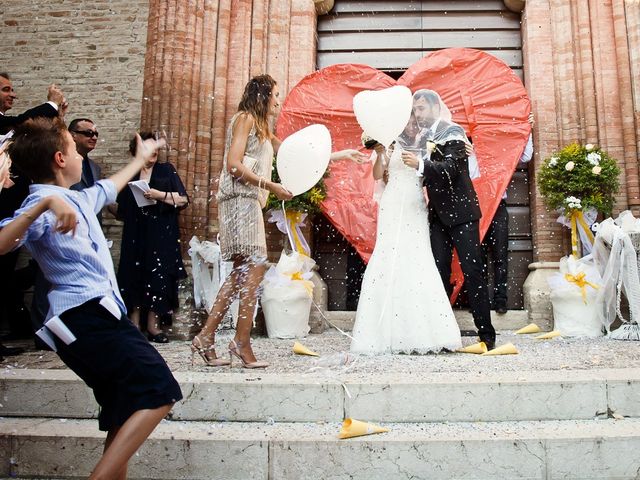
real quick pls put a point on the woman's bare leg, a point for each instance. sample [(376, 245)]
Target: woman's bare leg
[(134, 316), (248, 297), (152, 323), (225, 297)]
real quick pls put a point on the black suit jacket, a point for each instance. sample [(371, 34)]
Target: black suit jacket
[(9, 122), (452, 197), (84, 182)]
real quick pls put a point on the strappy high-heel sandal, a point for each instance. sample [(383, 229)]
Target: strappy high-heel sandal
[(235, 351), (208, 354)]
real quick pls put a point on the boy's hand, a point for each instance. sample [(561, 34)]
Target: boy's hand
[(145, 149), (65, 215)]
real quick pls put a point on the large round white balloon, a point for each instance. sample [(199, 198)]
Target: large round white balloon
[(383, 114), (303, 158)]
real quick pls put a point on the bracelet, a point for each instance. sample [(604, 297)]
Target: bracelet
[(261, 181)]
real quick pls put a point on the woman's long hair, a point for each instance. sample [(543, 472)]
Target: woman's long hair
[(255, 100)]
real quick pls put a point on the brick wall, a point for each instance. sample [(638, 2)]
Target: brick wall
[(95, 51)]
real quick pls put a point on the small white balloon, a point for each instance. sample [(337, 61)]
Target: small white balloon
[(383, 114), (303, 158)]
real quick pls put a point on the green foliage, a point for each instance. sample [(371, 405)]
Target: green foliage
[(308, 202), (590, 183)]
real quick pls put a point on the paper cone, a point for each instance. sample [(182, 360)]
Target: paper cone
[(302, 350), (355, 428), (548, 335), (480, 347), (506, 349), (531, 328)]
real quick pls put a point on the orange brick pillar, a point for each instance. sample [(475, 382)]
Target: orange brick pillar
[(582, 69), (199, 56)]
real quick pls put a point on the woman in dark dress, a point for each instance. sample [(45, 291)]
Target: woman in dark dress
[(150, 257)]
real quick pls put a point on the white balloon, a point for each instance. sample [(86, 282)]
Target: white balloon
[(303, 158), (383, 114)]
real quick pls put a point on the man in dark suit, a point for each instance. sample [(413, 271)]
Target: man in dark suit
[(85, 134), (12, 308), (454, 211)]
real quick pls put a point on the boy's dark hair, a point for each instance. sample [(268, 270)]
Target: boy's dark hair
[(133, 145), (5, 75), (33, 145)]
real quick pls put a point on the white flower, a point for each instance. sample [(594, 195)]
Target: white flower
[(594, 158), (569, 166), (596, 170), (553, 161), (431, 147), (589, 146)]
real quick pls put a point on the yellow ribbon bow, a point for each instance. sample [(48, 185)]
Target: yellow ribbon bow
[(307, 284), (581, 282), (577, 218), (295, 220)]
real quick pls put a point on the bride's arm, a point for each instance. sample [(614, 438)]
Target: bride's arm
[(381, 163)]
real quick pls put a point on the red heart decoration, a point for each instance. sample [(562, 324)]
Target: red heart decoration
[(482, 92)]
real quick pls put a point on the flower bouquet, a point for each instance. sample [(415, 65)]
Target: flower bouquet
[(579, 181)]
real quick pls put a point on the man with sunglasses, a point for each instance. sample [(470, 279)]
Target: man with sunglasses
[(85, 134)]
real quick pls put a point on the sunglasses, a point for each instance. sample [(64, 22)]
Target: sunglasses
[(87, 133)]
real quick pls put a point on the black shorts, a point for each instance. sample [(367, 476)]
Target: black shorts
[(125, 372)]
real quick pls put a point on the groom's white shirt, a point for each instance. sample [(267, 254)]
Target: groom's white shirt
[(421, 160)]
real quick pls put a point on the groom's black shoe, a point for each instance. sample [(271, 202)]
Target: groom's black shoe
[(501, 310), (490, 343)]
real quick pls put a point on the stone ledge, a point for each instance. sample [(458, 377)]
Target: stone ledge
[(440, 397), (595, 449)]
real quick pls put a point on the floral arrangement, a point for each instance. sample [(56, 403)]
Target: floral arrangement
[(578, 178), (308, 202)]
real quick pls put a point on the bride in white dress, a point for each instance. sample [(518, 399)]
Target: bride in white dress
[(403, 306)]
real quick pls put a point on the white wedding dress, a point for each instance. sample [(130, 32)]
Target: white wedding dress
[(403, 306)]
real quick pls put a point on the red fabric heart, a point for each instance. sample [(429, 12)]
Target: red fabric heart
[(484, 96)]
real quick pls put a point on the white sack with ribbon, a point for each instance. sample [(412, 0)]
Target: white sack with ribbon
[(577, 311), (287, 296), (209, 272), (616, 258), (383, 114)]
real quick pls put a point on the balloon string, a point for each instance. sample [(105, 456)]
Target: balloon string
[(286, 226)]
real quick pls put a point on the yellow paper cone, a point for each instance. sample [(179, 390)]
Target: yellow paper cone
[(531, 328), (302, 350), (548, 335), (480, 347), (355, 428), (506, 349)]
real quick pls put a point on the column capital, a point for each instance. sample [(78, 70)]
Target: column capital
[(515, 5)]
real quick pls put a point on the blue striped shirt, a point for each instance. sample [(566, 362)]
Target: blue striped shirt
[(79, 268)]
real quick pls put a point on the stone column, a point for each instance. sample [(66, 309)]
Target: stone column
[(200, 54), (581, 67)]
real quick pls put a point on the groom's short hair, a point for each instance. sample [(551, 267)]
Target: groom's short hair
[(429, 96)]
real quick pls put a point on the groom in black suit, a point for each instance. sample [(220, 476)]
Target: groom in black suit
[(454, 211)]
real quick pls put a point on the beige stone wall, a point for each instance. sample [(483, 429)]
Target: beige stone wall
[(94, 50)]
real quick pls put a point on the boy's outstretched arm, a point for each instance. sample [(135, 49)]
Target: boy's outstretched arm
[(144, 151), (11, 234)]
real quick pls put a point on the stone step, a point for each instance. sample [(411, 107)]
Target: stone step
[(593, 449), (512, 320), (324, 397)]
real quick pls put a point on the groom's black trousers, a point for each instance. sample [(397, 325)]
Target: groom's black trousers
[(466, 240)]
